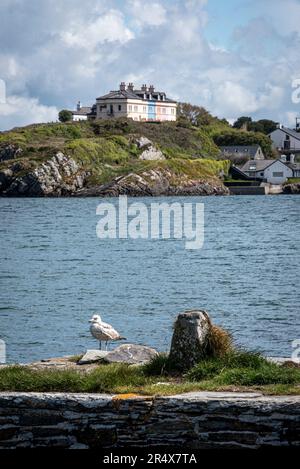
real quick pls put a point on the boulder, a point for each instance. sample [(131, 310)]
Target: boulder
[(151, 153), (190, 339), (143, 142), (92, 356), (131, 354), (10, 151)]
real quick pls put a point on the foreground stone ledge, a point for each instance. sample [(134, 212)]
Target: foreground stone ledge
[(195, 420)]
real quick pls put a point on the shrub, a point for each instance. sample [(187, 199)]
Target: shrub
[(65, 116)]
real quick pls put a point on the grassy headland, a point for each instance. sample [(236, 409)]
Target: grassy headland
[(107, 148)]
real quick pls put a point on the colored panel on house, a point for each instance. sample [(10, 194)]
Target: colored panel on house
[(151, 111)]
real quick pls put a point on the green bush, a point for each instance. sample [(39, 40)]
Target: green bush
[(240, 137)]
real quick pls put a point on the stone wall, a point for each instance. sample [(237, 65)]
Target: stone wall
[(195, 420)]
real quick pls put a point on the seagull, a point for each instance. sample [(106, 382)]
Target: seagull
[(103, 331)]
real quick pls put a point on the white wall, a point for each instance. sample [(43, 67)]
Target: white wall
[(278, 138), (277, 167), (78, 117)]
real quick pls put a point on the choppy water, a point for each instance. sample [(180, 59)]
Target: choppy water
[(55, 272)]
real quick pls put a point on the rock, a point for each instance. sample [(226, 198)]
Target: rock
[(293, 188), (92, 356), (284, 361), (190, 339), (152, 154), (58, 176), (5, 179), (132, 354), (143, 142), (10, 151), (155, 182)]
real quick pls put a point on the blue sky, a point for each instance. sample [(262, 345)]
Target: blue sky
[(234, 57)]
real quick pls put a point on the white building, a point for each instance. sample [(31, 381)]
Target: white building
[(145, 104), (285, 140), (81, 113), (272, 171)]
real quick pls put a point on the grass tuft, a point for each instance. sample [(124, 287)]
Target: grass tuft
[(242, 368), (158, 366)]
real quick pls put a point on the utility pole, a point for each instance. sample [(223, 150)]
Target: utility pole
[(297, 124)]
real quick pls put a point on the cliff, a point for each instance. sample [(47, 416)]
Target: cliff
[(109, 158)]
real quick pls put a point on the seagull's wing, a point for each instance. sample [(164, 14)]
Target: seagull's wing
[(109, 330)]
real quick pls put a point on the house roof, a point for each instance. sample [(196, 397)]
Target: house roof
[(128, 94), (82, 111), (290, 132), (249, 150), (120, 94), (260, 165)]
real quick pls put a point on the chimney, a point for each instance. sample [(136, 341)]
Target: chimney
[(278, 125), (122, 86), (151, 89), (78, 107), (292, 158), (130, 86), (144, 88)]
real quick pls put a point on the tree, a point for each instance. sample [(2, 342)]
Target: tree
[(239, 137), (242, 123), (65, 116), (266, 126), (196, 115)]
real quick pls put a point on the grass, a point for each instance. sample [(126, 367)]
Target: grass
[(107, 148), (234, 371), (292, 181)]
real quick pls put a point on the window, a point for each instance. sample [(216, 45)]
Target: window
[(120, 107), (172, 110), (135, 108), (163, 110), (278, 174), (144, 108), (129, 107), (252, 167)]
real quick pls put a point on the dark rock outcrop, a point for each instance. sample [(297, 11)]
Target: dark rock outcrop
[(293, 188), (10, 151), (156, 182), (59, 176)]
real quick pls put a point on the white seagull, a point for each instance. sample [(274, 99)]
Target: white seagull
[(103, 331)]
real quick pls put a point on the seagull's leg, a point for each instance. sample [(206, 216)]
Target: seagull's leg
[(99, 344), (106, 345)]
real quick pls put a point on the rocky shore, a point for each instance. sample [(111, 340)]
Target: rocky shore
[(293, 188), (62, 176)]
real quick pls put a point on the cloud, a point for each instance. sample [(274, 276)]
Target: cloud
[(109, 27), (18, 111), (147, 12), (56, 52)]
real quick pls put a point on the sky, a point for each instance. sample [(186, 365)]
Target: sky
[(233, 57)]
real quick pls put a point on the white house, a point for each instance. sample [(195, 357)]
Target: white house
[(81, 113), (272, 171), (285, 140), (144, 104)]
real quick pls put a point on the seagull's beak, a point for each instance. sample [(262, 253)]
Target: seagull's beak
[(90, 320)]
